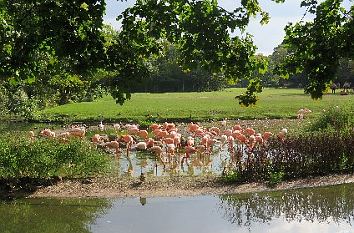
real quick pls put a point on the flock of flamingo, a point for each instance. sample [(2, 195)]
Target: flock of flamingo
[(173, 146)]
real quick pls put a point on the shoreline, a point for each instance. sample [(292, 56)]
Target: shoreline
[(114, 187)]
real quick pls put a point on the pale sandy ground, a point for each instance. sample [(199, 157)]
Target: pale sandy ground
[(172, 186)]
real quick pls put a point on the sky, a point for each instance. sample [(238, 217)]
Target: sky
[(266, 37)]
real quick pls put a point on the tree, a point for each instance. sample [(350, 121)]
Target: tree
[(201, 32), (60, 45), (316, 47), (46, 43)]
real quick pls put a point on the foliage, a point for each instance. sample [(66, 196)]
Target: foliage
[(168, 75), (49, 51), (3, 102), (271, 78), (316, 47), (45, 158), (231, 177), (299, 156), (201, 32), (249, 98), (52, 50), (334, 118), (275, 178)]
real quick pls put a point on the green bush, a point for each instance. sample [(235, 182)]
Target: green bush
[(275, 178), (333, 119), (231, 176), (44, 158)]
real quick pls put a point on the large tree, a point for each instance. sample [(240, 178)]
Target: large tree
[(59, 44), (315, 48)]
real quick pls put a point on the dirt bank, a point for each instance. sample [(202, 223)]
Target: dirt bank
[(172, 186)]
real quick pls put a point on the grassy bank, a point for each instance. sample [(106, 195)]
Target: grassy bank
[(273, 104)]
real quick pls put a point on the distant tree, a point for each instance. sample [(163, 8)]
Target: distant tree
[(345, 71)]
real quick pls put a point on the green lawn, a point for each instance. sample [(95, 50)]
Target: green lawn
[(273, 103)]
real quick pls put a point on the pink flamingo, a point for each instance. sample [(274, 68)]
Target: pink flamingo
[(250, 131), (267, 135), (143, 134), (237, 127), (113, 145), (129, 141)]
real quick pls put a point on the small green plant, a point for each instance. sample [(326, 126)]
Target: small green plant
[(231, 176), (343, 164), (275, 178), (144, 124)]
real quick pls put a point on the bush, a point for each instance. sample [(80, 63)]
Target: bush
[(231, 177), (333, 119), (275, 178), (44, 158), (300, 156)]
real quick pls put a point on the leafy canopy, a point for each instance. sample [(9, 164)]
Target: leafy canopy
[(52, 45), (316, 47)]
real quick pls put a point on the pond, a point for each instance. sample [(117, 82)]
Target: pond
[(325, 210)]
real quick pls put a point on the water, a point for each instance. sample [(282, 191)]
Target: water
[(324, 210)]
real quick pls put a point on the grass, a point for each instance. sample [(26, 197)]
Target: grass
[(273, 104)]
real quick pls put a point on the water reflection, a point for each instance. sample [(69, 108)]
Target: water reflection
[(315, 205), (50, 215), (322, 210)]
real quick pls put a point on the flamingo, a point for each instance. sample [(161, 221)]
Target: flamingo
[(282, 134), (215, 130), (192, 127), (143, 134), (141, 146), (113, 145), (129, 141), (189, 150), (250, 131), (237, 127), (190, 141), (96, 138), (224, 122), (267, 135)]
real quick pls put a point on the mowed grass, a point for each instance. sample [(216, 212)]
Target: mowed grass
[(272, 104)]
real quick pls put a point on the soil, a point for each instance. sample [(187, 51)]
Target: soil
[(113, 187)]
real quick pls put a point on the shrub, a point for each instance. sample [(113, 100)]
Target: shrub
[(333, 119), (231, 176), (298, 156), (44, 158), (275, 178)]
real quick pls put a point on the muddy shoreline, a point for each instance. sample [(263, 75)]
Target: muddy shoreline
[(113, 187)]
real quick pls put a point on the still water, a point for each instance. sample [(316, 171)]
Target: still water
[(329, 209)]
